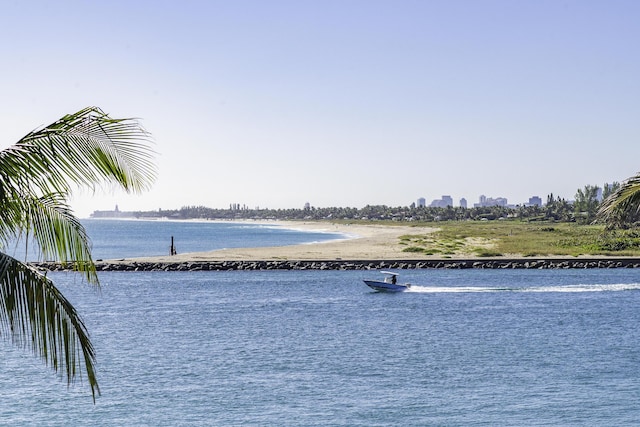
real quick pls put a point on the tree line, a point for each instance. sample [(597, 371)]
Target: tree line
[(584, 209)]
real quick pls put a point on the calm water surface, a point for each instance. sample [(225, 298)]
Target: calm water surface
[(318, 348), (136, 238), (114, 239)]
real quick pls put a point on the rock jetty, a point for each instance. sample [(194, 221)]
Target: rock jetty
[(519, 263)]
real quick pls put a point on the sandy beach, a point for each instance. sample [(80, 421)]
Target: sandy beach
[(365, 242)]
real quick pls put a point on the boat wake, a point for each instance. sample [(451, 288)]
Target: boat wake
[(563, 288)]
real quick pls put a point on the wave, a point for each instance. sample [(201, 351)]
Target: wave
[(560, 288)]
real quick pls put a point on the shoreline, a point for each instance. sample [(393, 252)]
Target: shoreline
[(361, 242), (365, 247)]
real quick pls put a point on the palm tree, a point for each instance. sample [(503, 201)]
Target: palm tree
[(37, 175), (622, 207)]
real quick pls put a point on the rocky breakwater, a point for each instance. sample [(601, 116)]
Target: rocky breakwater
[(493, 263)]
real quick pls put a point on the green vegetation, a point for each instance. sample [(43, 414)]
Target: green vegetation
[(520, 238), (431, 244), (618, 209), (621, 208), (583, 210)]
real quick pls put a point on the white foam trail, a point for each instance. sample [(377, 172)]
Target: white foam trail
[(453, 290), (563, 288), (587, 288)]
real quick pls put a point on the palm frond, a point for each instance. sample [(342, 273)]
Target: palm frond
[(60, 235), (49, 223), (85, 148), (12, 219), (625, 201), (37, 174), (35, 314)]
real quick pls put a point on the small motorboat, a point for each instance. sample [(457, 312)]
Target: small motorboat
[(389, 284)]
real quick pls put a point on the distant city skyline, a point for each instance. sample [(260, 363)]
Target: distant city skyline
[(443, 202), (483, 201)]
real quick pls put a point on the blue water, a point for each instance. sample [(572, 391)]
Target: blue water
[(319, 348), (114, 239)]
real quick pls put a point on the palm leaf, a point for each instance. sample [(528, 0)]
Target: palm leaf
[(622, 203), (87, 148), (60, 235), (35, 314), (37, 174)]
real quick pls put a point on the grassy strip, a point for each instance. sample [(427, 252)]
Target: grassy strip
[(510, 238)]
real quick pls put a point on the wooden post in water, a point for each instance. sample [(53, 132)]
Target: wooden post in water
[(173, 248)]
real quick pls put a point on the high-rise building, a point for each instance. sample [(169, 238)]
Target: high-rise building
[(535, 201), (463, 203), (442, 203), (422, 202), (489, 201)]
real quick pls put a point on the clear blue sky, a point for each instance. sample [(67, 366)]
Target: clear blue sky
[(339, 103)]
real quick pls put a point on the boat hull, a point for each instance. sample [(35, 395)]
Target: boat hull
[(381, 286)]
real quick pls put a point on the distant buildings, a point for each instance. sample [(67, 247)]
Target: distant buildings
[(116, 213), (442, 203), (483, 201), (489, 201), (535, 201), (447, 200)]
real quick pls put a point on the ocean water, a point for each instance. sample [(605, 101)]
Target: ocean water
[(114, 239), (125, 239), (319, 348)]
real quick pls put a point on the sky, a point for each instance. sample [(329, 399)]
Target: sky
[(348, 103)]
